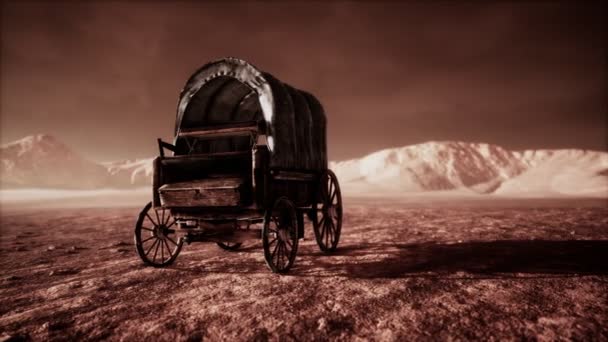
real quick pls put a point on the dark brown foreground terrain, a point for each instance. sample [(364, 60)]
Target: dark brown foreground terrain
[(403, 272)]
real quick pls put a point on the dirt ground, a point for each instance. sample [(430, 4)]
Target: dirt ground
[(484, 271)]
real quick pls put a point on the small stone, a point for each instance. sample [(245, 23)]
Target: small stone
[(46, 326), (52, 273), (322, 322), (51, 248)]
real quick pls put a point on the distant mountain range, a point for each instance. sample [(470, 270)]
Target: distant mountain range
[(476, 168), (42, 161)]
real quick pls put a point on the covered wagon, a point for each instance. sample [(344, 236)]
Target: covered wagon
[(248, 160)]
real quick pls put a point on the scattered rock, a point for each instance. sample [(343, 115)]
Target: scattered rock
[(62, 290), (121, 250), (96, 284), (64, 271), (51, 248), (322, 323)]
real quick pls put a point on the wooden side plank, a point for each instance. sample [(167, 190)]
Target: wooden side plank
[(229, 131)]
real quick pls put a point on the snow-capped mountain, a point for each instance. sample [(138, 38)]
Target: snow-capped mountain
[(136, 172), (457, 167), (567, 172), (43, 161), (475, 168)]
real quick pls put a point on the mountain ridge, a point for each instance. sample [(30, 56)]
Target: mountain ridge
[(473, 167), (434, 166)]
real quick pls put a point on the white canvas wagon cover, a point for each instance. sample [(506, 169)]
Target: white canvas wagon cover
[(232, 91)]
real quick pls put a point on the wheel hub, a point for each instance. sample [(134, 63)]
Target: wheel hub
[(160, 232)]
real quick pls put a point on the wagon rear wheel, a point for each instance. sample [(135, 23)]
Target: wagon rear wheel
[(327, 212), (280, 236), (229, 246), (156, 240)]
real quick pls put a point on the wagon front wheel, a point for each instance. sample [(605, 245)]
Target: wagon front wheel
[(327, 212), (280, 236), (156, 240)]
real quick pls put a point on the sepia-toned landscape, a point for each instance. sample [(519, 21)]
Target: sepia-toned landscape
[(457, 150), (405, 269)]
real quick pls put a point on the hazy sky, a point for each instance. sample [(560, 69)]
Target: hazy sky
[(105, 76)]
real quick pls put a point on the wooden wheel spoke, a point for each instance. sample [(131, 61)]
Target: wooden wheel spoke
[(157, 218), (162, 219), (152, 220), (150, 249), (275, 250), (172, 223), (279, 259), (168, 249), (328, 236), (272, 241), (335, 213), (155, 252), (333, 231), (284, 255), (288, 242), (322, 220), (162, 251), (322, 232), (168, 218), (170, 239), (148, 229), (148, 239)]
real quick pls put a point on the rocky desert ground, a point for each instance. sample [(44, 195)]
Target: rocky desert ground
[(520, 269)]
